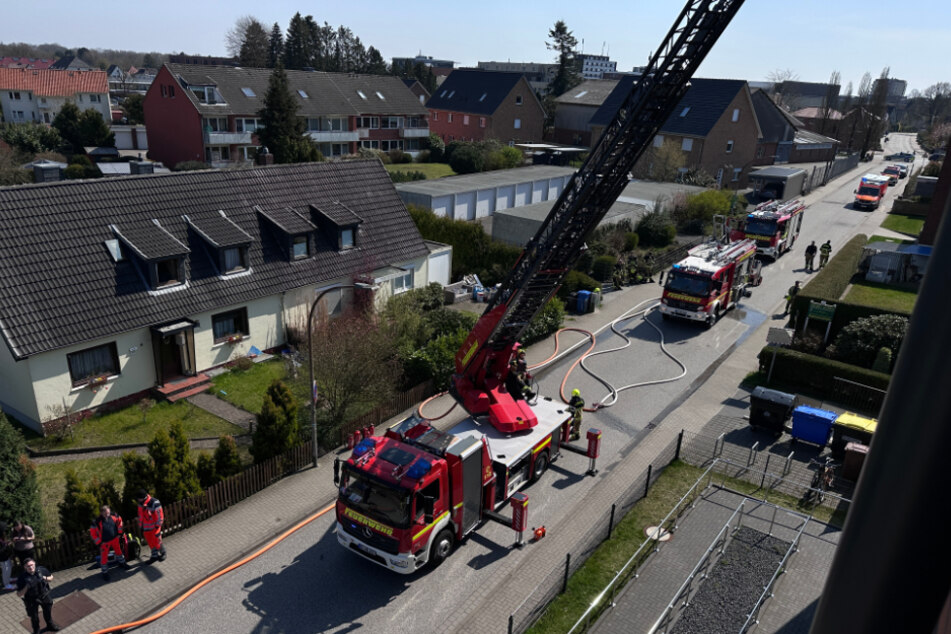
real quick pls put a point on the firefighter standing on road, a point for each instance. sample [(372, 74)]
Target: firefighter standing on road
[(106, 532), (151, 518), (811, 256), (576, 406), (824, 252), (790, 296)]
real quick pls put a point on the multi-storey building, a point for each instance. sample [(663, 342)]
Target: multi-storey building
[(539, 76), (594, 66), (28, 94), (211, 113)]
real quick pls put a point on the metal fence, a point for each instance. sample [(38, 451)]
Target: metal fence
[(857, 397), (822, 174)]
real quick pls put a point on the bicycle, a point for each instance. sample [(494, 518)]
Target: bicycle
[(822, 480)]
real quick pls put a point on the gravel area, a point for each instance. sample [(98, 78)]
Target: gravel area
[(737, 580)]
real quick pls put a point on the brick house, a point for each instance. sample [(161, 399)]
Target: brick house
[(28, 94), (714, 124), (575, 109), (210, 113), (474, 105), (117, 287), (785, 138)]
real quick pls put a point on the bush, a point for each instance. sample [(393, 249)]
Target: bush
[(278, 429), (436, 360), (445, 321), (188, 166), (243, 364), (655, 229), (883, 361), (829, 283), (174, 474), (423, 156), (206, 471), (436, 148), (701, 208), (631, 240), (933, 168), (137, 472), (466, 159), (548, 321), (227, 459), (406, 177), (399, 156), (805, 371), (79, 506), (862, 340), (603, 267), (584, 262), (75, 172), (21, 497), (576, 281)]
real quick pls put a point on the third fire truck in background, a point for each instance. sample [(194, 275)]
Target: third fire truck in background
[(710, 281), (773, 225)]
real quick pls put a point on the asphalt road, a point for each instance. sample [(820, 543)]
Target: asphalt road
[(310, 584)]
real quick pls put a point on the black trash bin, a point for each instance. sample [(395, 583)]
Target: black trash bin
[(770, 409)]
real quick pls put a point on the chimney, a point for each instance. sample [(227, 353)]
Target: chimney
[(141, 167), (46, 173), (264, 157)]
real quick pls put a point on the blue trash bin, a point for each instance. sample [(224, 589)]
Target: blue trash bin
[(812, 424), (583, 298)]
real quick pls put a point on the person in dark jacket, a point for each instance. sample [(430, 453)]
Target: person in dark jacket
[(33, 586), (22, 541), (106, 531), (811, 256)]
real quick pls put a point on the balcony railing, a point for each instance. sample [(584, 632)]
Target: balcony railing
[(338, 136), (227, 138), (414, 133)]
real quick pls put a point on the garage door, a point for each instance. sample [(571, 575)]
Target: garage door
[(439, 267), (465, 206), (441, 205), (555, 186), (505, 197), (523, 194), (539, 191), (484, 203)]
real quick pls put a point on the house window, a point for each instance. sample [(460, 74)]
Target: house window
[(658, 140), (481, 122), (164, 91), (234, 259), (346, 239), (518, 100), (683, 113), (368, 122), (518, 124), (465, 119), (171, 91), (736, 173), (229, 324), (301, 247), (246, 125), (403, 283), (760, 152), (168, 272), (686, 145), (729, 146), (391, 123), (91, 363), (435, 116), (373, 145), (736, 115), (15, 95), (450, 117), (719, 177)]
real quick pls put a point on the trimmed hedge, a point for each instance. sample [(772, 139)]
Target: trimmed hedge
[(801, 370)]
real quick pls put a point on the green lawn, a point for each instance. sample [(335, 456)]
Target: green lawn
[(909, 225), (128, 426), (431, 170), (882, 296), (245, 388), (594, 576), (51, 479), (875, 238)]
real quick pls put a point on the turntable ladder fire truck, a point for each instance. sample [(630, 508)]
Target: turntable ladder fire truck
[(710, 281), (773, 225), (407, 497)]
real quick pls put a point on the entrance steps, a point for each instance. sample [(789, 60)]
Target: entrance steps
[(182, 388)]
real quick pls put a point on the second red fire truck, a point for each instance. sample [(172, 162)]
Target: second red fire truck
[(773, 225), (710, 281)]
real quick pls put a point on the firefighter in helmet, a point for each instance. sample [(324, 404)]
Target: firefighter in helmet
[(576, 407), (515, 383), (824, 252)]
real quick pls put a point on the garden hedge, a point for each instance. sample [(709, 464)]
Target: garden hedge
[(814, 373)]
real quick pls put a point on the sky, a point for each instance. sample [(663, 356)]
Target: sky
[(811, 38)]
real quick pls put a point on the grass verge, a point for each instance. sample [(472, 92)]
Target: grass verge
[(882, 296), (595, 574), (51, 480), (876, 238), (431, 170), (130, 425), (246, 388), (902, 223)]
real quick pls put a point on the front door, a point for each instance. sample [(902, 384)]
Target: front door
[(174, 350)]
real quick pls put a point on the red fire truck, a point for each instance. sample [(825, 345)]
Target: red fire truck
[(710, 281), (872, 189), (774, 226), (407, 497)]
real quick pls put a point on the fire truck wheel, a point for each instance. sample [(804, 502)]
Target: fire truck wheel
[(541, 466), (441, 547)]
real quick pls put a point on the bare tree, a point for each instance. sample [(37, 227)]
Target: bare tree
[(234, 38), (829, 103), (661, 163)]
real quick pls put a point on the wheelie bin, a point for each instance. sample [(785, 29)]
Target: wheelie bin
[(812, 424), (850, 427), (770, 409)]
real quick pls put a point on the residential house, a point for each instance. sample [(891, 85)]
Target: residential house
[(806, 94), (113, 287), (70, 62), (25, 62), (575, 108), (785, 138), (38, 95), (417, 88), (714, 125), (539, 76), (826, 121), (210, 113), (474, 105)]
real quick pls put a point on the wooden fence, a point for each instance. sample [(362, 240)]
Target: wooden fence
[(76, 549), (376, 416)]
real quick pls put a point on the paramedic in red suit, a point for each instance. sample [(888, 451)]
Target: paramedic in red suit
[(151, 518), (106, 532)]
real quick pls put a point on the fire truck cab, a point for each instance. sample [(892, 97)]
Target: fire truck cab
[(710, 281), (773, 225)]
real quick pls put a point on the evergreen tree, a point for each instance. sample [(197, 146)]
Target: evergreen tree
[(18, 489), (133, 108), (568, 74), (81, 503), (283, 131), (275, 49), (138, 474), (67, 123), (296, 44), (93, 130), (376, 65), (165, 472), (255, 48), (206, 471), (187, 468), (227, 459), (278, 429)]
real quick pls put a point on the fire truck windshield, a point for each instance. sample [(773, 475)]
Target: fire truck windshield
[(688, 284), (865, 190), (375, 499), (760, 227)]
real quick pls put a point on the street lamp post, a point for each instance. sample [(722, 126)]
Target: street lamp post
[(310, 352)]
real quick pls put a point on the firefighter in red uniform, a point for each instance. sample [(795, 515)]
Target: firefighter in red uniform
[(151, 518), (106, 532)]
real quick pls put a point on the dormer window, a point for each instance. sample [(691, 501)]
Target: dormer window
[(346, 239), (227, 243), (168, 272), (159, 256), (301, 247), (234, 259), (338, 223)]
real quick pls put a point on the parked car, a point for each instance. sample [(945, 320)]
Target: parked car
[(893, 174), (900, 156), (903, 168)]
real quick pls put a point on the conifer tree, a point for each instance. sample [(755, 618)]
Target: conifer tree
[(18, 490), (278, 429), (283, 131)]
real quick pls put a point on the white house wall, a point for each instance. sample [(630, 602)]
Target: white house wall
[(16, 386), (265, 330)]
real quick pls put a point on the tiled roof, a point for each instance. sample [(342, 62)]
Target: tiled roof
[(473, 91), (817, 113), (592, 92), (218, 230), (54, 83), (339, 214), (71, 62), (328, 94), (777, 125), (706, 99), (59, 285), (25, 62), (288, 220), (148, 239)]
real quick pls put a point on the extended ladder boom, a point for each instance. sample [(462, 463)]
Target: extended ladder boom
[(550, 254)]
